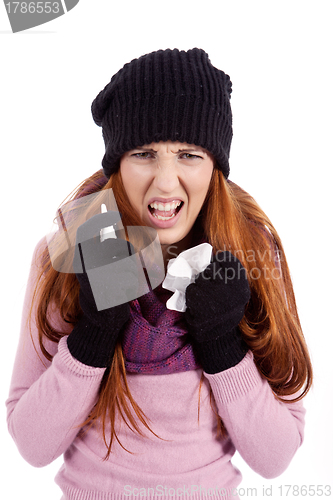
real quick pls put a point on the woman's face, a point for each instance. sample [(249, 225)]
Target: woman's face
[(166, 183)]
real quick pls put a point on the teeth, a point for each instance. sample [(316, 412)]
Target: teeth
[(165, 207), (163, 218)]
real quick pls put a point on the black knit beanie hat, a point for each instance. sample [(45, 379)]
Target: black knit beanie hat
[(166, 95)]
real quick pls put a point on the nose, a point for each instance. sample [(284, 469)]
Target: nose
[(166, 177)]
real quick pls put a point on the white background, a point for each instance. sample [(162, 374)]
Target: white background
[(279, 57)]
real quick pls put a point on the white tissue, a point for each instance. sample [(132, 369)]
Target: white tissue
[(182, 271)]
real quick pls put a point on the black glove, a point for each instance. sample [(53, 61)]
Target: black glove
[(94, 337), (215, 305)]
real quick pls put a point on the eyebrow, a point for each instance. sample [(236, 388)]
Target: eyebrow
[(183, 150), (191, 149), (145, 149)]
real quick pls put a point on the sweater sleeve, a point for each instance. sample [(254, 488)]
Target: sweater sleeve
[(265, 431), (47, 400)]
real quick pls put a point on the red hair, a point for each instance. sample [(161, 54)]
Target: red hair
[(230, 219)]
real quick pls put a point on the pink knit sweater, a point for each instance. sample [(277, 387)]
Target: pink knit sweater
[(48, 402)]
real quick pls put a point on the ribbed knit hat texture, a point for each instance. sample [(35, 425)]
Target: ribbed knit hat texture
[(166, 95)]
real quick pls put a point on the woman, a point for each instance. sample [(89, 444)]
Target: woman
[(141, 399)]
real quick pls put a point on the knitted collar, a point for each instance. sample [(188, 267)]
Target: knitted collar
[(155, 340)]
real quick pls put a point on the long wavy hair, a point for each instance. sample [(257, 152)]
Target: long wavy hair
[(230, 219)]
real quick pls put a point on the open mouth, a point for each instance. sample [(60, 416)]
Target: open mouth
[(165, 211)]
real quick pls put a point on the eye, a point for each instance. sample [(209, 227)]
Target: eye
[(190, 156), (142, 155)]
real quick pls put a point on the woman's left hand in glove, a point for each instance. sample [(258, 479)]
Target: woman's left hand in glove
[(215, 306)]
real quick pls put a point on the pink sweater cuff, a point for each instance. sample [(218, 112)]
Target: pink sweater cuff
[(234, 383), (75, 366)]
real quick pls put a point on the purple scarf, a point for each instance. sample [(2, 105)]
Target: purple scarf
[(155, 339)]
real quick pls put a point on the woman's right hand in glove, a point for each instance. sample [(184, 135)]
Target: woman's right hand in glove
[(94, 337)]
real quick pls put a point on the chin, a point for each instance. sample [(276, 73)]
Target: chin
[(169, 238)]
